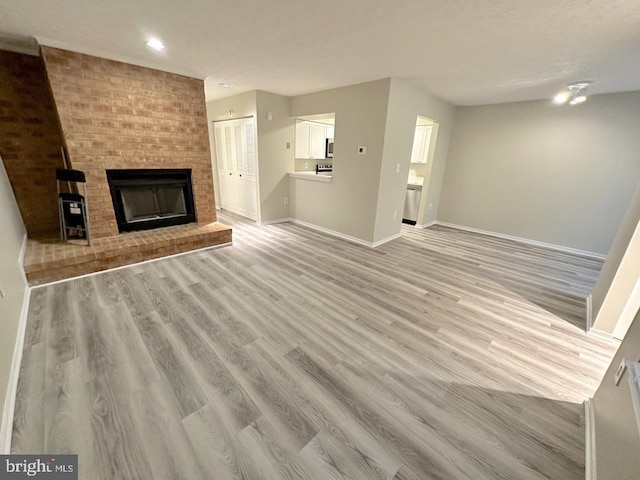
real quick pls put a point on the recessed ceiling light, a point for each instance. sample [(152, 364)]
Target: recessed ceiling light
[(155, 44), (224, 85), (561, 98)]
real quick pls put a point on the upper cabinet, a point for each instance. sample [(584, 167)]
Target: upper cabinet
[(311, 139), (330, 130), (303, 138), (317, 140), (421, 141)]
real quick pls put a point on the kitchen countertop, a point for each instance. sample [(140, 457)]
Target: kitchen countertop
[(311, 175), (415, 181)]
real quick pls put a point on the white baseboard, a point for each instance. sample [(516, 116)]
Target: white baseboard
[(590, 440), (385, 240), (589, 302), (6, 428), (604, 335), (333, 233), (536, 243), (426, 225), (277, 220)]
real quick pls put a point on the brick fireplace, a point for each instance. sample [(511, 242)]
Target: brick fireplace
[(30, 140), (120, 116)]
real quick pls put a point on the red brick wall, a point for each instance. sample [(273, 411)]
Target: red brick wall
[(30, 140), (116, 115)]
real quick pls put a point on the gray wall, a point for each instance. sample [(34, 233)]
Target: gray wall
[(347, 204), (617, 436), (406, 102), (274, 159), (557, 174), (12, 281)]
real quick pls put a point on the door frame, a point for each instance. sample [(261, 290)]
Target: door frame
[(214, 163)]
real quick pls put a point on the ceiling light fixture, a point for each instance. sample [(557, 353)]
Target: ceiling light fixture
[(577, 100), (561, 98), (155, 44), (224, 85), (574, 94)]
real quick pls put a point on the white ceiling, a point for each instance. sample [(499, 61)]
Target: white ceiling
[(468, 52)]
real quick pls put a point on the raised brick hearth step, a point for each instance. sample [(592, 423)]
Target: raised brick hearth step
[(50, 260)]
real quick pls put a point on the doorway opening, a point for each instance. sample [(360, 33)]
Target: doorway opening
[(415, 206)]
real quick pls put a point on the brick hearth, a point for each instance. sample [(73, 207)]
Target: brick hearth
[(49, 260)]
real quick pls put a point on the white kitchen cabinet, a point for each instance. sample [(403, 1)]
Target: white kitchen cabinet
[(317, 141), (303, 137), (236, 159), (330, 131), (421, 141), (310, 140)]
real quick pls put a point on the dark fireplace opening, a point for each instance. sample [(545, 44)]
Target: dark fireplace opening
[(151, 198)]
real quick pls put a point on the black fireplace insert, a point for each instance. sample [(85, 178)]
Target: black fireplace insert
[(151, 198)]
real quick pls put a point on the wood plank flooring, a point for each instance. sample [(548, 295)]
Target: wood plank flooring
[(295, 355)]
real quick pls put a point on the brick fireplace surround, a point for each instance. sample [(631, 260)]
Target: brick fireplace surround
[(119, 116)]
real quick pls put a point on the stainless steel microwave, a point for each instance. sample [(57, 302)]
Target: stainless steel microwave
[(329, 148)]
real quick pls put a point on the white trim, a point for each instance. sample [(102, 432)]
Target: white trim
[(332, 232), (349, 238), (603, 335), (6, 429), (628, 312), (589, 302), (23, 251), (385, 240), (634, 377), (426, 225), (590, 469), (277, 220), (212, 247), (552, 246)]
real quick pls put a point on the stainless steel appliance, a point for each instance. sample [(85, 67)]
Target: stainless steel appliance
[(328, 148), (411, 204)]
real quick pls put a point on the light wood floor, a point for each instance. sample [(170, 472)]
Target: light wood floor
[(292, 354)]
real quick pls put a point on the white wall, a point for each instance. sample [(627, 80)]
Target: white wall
[(617, 436), (347, 204), (557, 174), (12, 280), (406, 102), (613, 294), (274, 159)]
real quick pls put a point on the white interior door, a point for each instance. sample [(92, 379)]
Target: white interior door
[(236, 159)]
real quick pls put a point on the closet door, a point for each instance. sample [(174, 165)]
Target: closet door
[(224, 155), (236, 159), (251, 187)]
